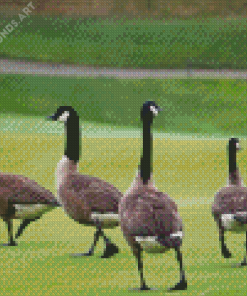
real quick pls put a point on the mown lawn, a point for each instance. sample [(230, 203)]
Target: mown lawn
[(190, 170), (41, 264), (207, 43), (199, 106)]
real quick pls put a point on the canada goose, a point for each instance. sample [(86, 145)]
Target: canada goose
[(230, 203), (88, 200), (22, 198), (149, 218)]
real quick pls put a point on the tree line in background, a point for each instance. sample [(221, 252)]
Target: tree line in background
[(131, 8)]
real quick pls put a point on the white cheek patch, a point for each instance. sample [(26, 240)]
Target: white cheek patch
[(64, 116), (154, 110)]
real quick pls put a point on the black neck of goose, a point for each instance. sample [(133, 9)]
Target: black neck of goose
[(232, 164), (146, 159), (73, 139)]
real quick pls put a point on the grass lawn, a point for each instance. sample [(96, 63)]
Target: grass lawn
[(190, 170), (210, 43), (199, 106), (188, 165), (41, 264)]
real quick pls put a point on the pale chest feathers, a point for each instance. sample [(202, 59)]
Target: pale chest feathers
[(137, 183), (64, 168)]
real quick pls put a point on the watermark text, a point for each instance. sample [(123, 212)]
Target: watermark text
[(14, 24)]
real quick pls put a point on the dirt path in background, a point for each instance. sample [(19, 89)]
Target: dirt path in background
[(45, 69)]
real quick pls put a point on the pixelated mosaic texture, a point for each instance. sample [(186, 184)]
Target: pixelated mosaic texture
[(190, 169), (203, 34)]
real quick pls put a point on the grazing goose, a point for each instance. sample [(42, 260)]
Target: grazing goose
[(230, 203), (149, 218), (22, 198), (86, 199)]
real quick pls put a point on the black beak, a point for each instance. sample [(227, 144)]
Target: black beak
[(51, 117)]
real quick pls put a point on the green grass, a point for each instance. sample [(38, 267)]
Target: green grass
[(41, 264), (199, 106), (103, 157), (188, 170), (211, 43)]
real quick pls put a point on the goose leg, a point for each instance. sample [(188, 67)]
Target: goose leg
[(244, 263), (182, 285), (10, 234), (96, 239), (137, 251), (110, 248), (91, 250), (224, 250), (24, 224)]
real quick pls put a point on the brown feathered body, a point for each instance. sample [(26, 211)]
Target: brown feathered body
[(81, 195), (17, 190), (231, 199), (144, 211)]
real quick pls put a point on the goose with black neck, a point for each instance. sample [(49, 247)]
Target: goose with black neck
[(230, 202), (149, 218), (88, 200)]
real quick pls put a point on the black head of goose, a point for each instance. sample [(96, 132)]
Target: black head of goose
[(230, 203), (22, 198), (86, 199), (149, 218)]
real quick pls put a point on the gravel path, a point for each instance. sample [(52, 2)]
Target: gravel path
[(43, 69)]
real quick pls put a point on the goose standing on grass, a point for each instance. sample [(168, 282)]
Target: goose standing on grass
[(22, 198), (230, 203), (149, 218), (86, 199)]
